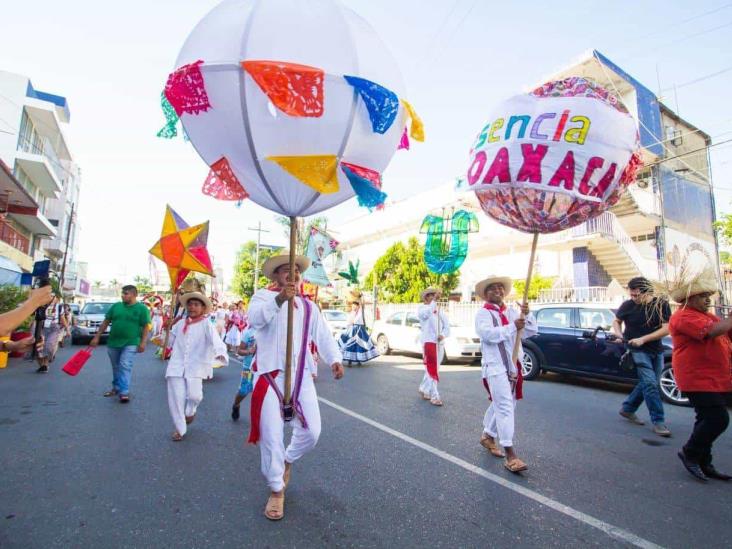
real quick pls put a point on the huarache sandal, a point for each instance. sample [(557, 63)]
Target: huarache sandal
[(177, 437), (489, 443), (110, 393), (436, 402), (275, 509), (189, 419), (124, 399), (515, 465)]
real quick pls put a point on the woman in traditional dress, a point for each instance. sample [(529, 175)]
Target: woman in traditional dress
[(355, 341), (234, 327)]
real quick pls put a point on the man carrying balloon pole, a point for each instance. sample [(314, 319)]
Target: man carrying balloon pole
[(435, 328), (497, 325), (269, 413)]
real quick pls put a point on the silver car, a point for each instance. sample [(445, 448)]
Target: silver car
[(337, 321), (88, 321)]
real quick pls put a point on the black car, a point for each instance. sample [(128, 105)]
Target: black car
[(577, 339)]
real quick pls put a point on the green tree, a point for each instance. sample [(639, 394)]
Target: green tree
[(11, 297), (302, 229), (401, 274), (538, 283), (143, 284), (242, 283)]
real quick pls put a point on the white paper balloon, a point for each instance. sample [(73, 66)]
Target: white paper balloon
[(244, 126)]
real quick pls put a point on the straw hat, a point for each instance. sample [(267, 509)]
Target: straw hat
[(481, 286), (271, 265), (200, 297), (430, 290), (688, 286), (354, 296)]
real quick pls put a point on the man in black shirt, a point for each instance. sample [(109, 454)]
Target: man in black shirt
[(645, 321)]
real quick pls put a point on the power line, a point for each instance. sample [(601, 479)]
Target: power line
[(678, 41), (700, 79)]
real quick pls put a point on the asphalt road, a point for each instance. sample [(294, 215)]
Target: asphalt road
[(390, 470)]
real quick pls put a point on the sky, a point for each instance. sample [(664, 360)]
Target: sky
[(458, 58)]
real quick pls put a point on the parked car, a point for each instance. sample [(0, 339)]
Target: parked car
[(401, 331), (88, 321), (337, 321), (577, 339)]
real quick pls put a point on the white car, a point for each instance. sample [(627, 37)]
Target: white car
[(401, 331), (337, 321)]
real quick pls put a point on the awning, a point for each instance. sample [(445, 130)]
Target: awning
[(10, 271)]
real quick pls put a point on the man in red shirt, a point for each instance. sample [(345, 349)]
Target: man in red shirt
[(702, 365)]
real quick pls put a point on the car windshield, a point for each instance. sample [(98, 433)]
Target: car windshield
[(96, 308), (335, 315)]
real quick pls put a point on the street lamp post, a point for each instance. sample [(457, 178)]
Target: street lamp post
[(259, 231)]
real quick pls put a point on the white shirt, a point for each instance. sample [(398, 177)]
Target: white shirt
[(492, 336), (428, 322), (356, 317), (194, 351), (270, 322)]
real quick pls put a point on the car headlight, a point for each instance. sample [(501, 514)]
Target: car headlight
[(83, 323), (464, 340)]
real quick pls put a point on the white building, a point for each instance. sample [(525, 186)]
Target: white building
[(646, 233), (33, 144)]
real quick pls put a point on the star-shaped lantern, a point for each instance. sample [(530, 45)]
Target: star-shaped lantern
[(182, 248)]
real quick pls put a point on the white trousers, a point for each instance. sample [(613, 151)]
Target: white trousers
[(184, 396), (429, 386), (272, 430), (498, 421)]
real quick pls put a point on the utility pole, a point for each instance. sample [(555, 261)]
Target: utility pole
[(259, 231), (66, 248)]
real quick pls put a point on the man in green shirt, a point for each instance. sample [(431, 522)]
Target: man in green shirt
[(130, 322)]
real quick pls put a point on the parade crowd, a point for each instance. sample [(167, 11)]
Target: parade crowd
[(201, 336)]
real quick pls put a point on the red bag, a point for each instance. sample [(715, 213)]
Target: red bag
[(76, 362)]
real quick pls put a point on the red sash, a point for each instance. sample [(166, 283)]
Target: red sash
[(518, 385), (260, 391), (429, 357)]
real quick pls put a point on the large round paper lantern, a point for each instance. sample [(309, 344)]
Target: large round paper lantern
[(551, 159), (296, 104)]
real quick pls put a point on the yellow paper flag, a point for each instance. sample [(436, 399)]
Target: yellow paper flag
[(416, 132), (316, 171)]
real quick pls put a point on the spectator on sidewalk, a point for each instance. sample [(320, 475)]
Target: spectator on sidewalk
[(702, 364), (130, 322), (642, 321)]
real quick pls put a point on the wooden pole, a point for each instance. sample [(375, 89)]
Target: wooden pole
[(514, 355), (290, 313), (170, 320)]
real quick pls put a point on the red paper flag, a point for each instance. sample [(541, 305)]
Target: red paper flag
[(294, 89), (222, 184)]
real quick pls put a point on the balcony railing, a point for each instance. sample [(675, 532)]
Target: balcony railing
[(46, 150), (588, 294), (14, 238)]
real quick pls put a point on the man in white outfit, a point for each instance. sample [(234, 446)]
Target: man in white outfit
[(268, 316), (195, 345), (435, 328), (497, 326)]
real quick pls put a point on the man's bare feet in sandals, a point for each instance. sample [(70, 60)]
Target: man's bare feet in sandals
[(275, 508), (286, 475), (436, 402), (489, 443), (189, 419), (513, 463), (177, 437)]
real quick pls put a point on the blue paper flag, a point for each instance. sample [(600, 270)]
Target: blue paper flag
[(381, 103), (366, 193)]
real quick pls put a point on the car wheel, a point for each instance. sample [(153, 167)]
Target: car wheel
[(382, 345), (670, 392), (530, 367)]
